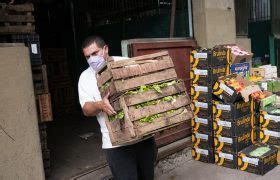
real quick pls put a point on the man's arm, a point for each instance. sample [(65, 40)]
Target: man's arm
[(93, 108)]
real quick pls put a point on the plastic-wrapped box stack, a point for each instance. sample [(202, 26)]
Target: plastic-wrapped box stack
[(206, 67)]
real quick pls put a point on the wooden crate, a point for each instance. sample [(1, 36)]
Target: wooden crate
[(40, 79), (129, 74), (15, 19), (126, 78), (44, 107)]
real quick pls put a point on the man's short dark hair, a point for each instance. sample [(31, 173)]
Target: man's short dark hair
[(93, 39)]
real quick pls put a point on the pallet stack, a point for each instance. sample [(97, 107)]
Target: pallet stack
[(206, 67), (16, 19), (60, 81), (147, 96), (17, 26)]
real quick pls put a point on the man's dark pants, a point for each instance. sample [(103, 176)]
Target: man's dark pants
[(133, 162)]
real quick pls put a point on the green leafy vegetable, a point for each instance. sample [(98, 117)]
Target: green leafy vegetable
[(154, 102), (150, 119), (157, 87), (119, 116), (105, 86)]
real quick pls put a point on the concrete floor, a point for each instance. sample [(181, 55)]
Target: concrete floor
[(202, 171), (70, 153)]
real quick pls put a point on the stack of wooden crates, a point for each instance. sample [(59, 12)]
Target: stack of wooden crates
[(60, 80), (17, 26), (147, 96)]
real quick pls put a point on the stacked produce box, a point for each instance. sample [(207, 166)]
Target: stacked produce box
[(147, 96), (242, 123), (207, 66), (234, 118)]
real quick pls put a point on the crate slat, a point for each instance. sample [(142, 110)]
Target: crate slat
[(144, 128), (168, 74), (152, 94), (122, 73), (45, 107), (17, 18), (122, 63), (17, 29), (19, 8), (161, 107)]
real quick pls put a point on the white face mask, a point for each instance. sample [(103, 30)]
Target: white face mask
[(96, 62)]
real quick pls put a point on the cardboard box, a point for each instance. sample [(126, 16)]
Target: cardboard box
[(243, 69), (200, 140), (261, 164), (201, 93), (202, 109), (228, 160), (232, 127), (239, 55), (231, 110), (216, 56), (207, 76), (270, 117), (202, 125), (203, 155), (271, 85), (266, 71), (232, 144), (229, 94), (271, 137), (262, 103)]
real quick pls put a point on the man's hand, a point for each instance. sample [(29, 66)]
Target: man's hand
[(93, 108), (106, 106)]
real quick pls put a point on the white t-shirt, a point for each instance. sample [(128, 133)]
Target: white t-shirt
[(89, 92)]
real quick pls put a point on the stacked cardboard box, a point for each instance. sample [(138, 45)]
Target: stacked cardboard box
[(206, 67), (234, 118), (270, 125)]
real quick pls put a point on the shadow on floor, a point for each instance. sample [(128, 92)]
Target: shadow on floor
[(75, 145)]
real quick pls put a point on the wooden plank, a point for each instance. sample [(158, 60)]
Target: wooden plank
[(161, 107), (45, 107), (127, 119), (111, 89), (17, 18), (123, 137), (122, 63), (116, 105), (45, 78), (152, 94), (130, 71), (165, 75), (108, 124), (164, 122), (21, 7), (17, 29), (104, 77)]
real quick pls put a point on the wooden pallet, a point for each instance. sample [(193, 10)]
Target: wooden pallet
[(44, 107), (16, 19), (40, 79), (129, 75)]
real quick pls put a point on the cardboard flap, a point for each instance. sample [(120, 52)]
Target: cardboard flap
[(247, 91)]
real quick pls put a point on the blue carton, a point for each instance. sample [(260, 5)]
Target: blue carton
[(242, 69)]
